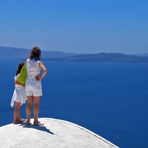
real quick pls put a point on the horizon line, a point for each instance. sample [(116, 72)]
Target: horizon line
[(75, 52)]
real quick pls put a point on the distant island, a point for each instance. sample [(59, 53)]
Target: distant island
[(109, 57), (18, 53)]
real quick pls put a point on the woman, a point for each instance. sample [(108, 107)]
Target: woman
[(33, 83)]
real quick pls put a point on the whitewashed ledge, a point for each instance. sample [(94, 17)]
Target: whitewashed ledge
[(53, 134)]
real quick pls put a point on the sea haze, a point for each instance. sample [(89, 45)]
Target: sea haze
[(21, 54), (107, 98)]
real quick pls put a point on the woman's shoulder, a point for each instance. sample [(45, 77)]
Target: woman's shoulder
[(39, 62), (34, 61)]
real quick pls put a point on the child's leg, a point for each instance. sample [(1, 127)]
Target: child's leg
[(36, 109), (17, 112), (29, 107)]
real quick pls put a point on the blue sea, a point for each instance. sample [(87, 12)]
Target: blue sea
[(108, 99)]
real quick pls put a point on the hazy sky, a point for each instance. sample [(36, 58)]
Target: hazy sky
[(75, 25)]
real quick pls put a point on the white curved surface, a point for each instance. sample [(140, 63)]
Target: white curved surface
[(53, 134)]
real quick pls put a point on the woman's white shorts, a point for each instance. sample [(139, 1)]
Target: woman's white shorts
[(33, 90)]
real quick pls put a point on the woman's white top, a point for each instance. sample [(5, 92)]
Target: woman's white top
[(33, 70)]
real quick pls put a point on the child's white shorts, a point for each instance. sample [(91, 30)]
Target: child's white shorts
[(19, 95)]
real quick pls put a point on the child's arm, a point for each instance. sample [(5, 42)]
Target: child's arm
[(44, 69)]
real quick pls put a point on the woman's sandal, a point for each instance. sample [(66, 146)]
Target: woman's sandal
[(38, 123)]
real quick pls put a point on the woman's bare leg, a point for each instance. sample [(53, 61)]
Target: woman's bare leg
[(17, 112), (29, 107), (36, 109)]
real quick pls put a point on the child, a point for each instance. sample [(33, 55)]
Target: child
[(33, 83), (19, 95)]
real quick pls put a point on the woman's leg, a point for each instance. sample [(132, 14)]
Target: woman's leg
[(36, 109), (29, 107), (17, 112)]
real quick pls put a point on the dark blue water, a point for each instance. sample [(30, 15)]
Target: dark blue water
[(109, 99)]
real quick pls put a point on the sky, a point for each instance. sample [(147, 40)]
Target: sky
[(87, 26)]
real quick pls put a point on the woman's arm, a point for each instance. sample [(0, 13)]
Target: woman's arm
[(44, 69)]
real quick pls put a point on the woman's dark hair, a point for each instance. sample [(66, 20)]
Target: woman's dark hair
[(35, 53), (20, 66)]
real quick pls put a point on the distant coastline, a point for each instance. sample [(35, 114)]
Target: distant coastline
[(18, 53)]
